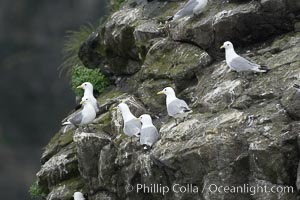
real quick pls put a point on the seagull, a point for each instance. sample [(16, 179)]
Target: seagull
[(132, 125), (78, 196), (149, 133), (192, 7), (238, 63), (88, 93), (297, 87), (176, 108), (83, 117)]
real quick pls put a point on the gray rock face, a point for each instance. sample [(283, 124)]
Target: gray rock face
[(244, 129), (245, 23)]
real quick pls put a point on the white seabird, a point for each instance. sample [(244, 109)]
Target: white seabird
[(83, 117), (238, 63), (149, 133), (192, 7), (78, 196), (89, 93), (176, 108), (132, 125)]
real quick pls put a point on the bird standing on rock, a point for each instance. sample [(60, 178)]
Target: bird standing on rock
[(78, 196), (176, 108), (132, 125), (149, 133), (238, 63), (192, 7), (85, 116), (89, 93)]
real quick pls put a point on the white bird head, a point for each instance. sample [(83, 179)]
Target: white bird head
[(78, 196), (227, 45), (146, 119), (167, 91), (85, 101), (123, 107), (86, 86)]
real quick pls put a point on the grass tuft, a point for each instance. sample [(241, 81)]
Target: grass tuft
[(74, 40)]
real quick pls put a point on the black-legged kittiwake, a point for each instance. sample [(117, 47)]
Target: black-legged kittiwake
[(78, 196), (83, 117), (149, 133), (176, 108), (89, 93), (192, 7), (132, 125), (238, 63)]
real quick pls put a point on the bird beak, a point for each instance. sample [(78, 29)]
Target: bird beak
[(115, 108), (80, 87), (161, 92), (222, 47), (138, 119), (81, 102)]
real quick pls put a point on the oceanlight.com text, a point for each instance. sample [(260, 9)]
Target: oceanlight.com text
[(210, 188)]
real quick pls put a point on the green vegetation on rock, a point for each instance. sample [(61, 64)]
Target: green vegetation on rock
[(36, 192), (81, 74), (116, 5)]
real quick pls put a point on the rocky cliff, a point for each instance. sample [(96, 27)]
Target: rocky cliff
[(244, 127)]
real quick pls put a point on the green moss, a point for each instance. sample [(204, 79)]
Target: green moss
[(75, 183), (173, 60), (61, 139), (104, 123), (82, 74), (120, 139), (36, 192), (109, 94)]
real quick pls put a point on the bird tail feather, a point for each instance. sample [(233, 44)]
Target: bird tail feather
[(66, 123), (170, 18), (187, 110), (67, 127), (262, 69), (296, 86)]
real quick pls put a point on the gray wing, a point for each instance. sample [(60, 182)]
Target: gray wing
[(132, 127), (241, 64), (187, 9), (76, 119), (149, 136), (177, 106)]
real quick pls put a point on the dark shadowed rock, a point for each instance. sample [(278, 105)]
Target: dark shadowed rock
[(89, 146), (291, 102), (59, 167)]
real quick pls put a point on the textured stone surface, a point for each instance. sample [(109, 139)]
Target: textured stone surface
[(244, 129)]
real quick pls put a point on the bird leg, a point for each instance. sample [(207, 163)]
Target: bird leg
[(176, 122)]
